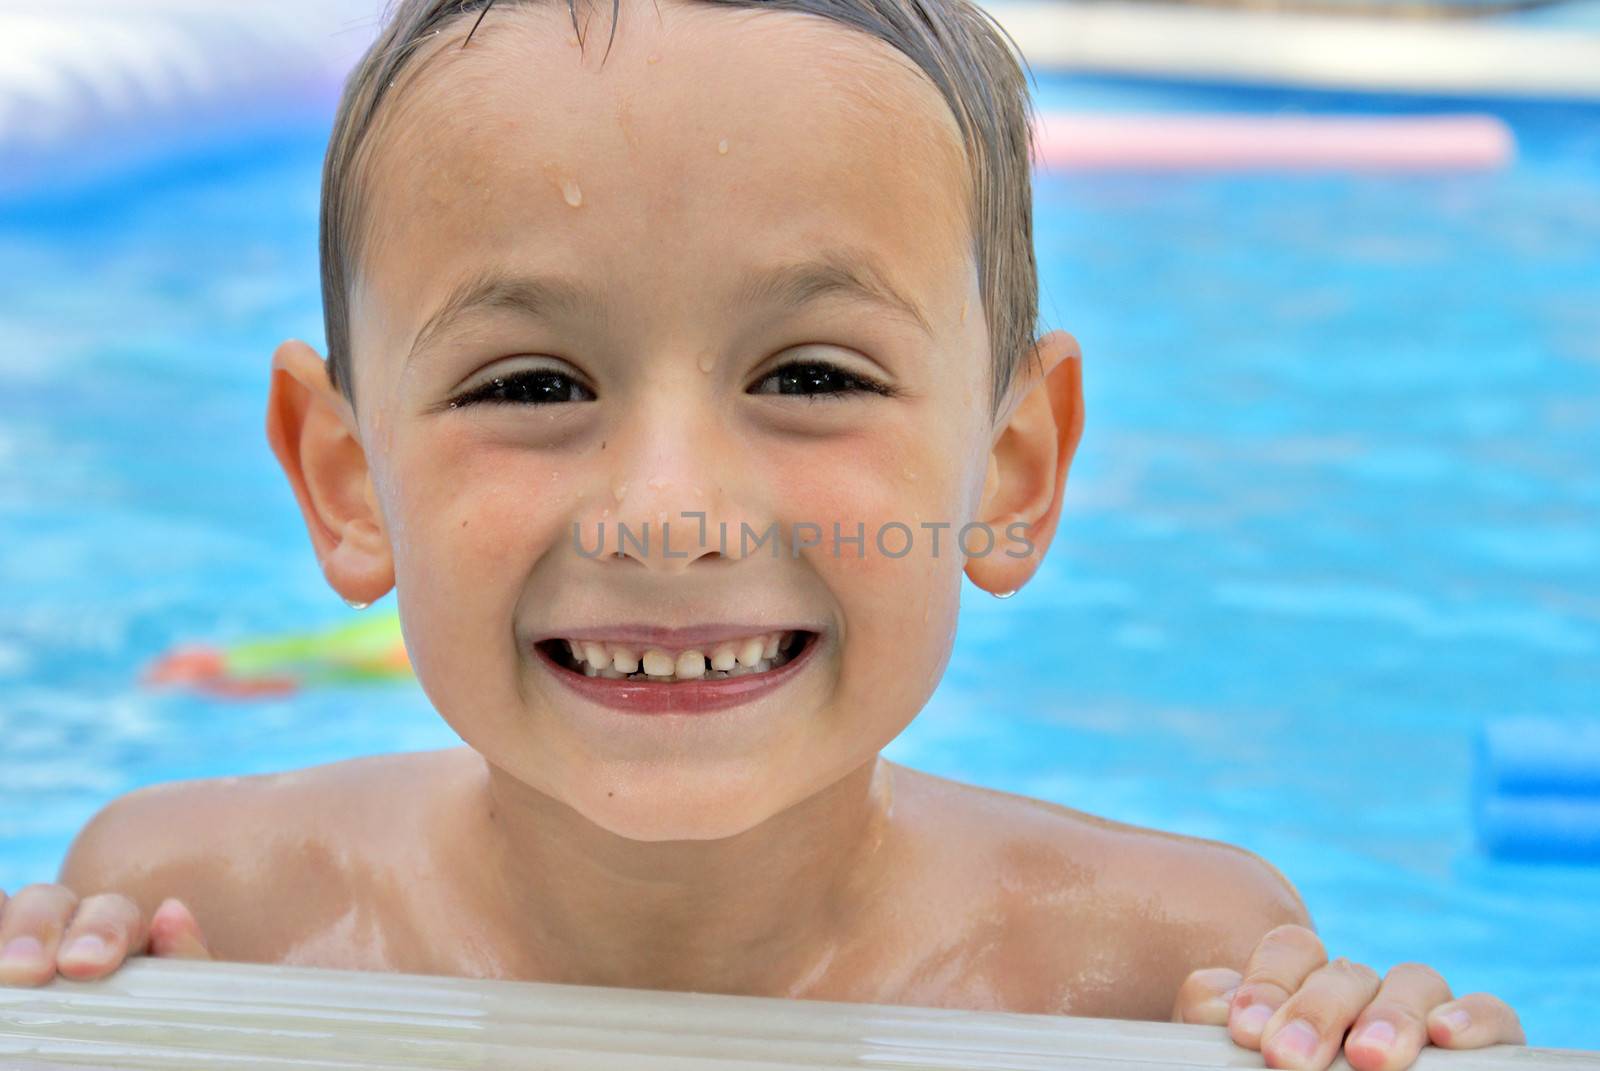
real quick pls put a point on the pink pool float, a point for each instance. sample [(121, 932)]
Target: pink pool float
[(1068, 141)]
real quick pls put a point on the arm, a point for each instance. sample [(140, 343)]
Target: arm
[(1249, 898), (141, 846), (1275, 990), (102, 907)]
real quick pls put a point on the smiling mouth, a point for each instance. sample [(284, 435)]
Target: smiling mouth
[(751, 656)]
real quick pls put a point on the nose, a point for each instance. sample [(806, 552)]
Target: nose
[(671, 503)]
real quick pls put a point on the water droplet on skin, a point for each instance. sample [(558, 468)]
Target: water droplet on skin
[(573, 195), (707, 363), (653, 58), (908, 474), (653, 483), (964, 311), (722, 146), (619, 491)]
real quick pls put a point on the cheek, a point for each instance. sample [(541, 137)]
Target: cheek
[(472, 522), (897, 592)]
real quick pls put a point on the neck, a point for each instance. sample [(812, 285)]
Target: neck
[(759, 913)]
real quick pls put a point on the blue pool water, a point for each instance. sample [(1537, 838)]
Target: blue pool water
[(1336, 505)]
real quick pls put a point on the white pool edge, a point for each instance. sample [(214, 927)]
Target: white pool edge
[(170, 1013)]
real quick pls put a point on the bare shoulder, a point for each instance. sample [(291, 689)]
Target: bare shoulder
[(235, 849), (1184, 903), (1105, 918)]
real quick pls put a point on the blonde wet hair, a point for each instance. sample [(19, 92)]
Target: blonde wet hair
[(967, 56)]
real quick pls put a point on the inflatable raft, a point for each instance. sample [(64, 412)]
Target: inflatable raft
[(92, 92)]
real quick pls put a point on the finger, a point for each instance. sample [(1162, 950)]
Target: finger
[(1204, 996), (1283, 959), (1474, 1020), (1391, 1031), (30, 932), (1307, 1029), (175, 933), (107, 928)]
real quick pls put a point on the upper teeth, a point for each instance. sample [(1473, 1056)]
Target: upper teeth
[(730, 658)]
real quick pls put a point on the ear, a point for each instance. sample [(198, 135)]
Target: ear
[(1028, 464), (313, 432)]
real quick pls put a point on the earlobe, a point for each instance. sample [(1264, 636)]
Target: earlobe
[(1027, 468), (313, 436)]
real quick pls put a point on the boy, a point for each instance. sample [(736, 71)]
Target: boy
[(753, 275)]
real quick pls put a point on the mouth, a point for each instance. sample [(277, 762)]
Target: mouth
[(661, 679)]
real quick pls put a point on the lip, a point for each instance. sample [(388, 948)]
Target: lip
[(682, 697)]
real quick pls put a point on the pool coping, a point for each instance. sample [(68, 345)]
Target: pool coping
[(170, 1013)]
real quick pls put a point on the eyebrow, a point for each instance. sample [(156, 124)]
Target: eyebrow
[(845, 273)]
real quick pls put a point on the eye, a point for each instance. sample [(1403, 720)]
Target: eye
[(813, 378), (532, 386)]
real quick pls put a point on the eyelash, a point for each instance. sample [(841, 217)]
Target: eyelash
[(856, 383), (495, 391)]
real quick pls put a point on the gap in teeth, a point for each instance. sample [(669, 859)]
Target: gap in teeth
[(731, 658)]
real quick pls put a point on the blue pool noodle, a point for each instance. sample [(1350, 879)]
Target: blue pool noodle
[(1536, 789)]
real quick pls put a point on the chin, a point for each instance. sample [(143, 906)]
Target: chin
[(667, 809)]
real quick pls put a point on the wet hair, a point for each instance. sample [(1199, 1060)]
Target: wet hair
[(968, 57)]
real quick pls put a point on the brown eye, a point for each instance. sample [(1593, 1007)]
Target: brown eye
[(814, 379), (539, 386)]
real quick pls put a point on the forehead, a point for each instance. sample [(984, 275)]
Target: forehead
[(712, 141)]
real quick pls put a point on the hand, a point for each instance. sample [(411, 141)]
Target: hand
[(41, 926), (1295, 1006)]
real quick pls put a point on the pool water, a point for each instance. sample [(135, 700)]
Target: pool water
[(1336, 505)]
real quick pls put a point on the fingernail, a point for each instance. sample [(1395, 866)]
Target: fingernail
[(1297, 1039), (88, 947), (1253, 1018), (1378, 1033), (23, 950), (1457, 1020)]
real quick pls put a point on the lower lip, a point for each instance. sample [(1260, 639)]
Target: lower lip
[(681, 697)]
